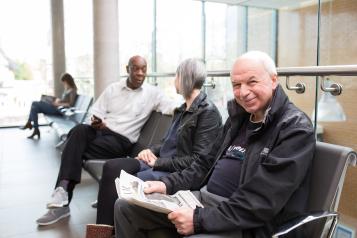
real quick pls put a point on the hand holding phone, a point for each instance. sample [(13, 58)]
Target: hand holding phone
[(97, 123), (96, 120)]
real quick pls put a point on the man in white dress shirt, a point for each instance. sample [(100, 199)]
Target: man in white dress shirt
[(118, 116)]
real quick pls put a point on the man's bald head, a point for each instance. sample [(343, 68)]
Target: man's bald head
[(136, 69), (136, 58)]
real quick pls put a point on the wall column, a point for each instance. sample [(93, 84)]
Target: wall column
[(58, 46), (106, 44)]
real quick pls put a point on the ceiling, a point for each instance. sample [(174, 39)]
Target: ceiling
[(274, 4)]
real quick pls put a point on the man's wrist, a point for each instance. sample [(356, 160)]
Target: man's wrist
[(167, 185)]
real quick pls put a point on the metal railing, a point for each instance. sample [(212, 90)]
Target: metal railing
[(318, 71)]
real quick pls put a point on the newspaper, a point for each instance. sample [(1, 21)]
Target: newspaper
[(131, 189)]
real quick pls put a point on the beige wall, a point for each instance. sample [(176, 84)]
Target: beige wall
[(338, 45)]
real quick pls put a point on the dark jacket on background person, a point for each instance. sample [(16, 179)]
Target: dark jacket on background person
[(274, 179), (193, 138)]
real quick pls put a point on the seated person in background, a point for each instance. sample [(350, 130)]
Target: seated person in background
[(51, 107), (118, 116), (255, 176), (194, 127)]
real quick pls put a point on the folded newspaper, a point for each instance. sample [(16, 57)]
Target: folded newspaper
[(131, 189)]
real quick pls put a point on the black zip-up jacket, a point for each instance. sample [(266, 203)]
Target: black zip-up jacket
[(196, 133), (274, 179)]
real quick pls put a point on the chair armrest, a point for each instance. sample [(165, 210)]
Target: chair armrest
[(63, 110), (301, 220)]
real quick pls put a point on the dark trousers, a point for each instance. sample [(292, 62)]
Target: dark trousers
[(146, 173), (107, 194), (41, 107), (135, 221), (85, 140)]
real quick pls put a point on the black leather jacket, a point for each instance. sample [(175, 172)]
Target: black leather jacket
[(274, 179), (196, 133)]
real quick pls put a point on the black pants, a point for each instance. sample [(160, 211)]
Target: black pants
[(107, 194), (85, 140)]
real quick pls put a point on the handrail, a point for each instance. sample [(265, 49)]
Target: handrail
[(337, 70), (322, 71)]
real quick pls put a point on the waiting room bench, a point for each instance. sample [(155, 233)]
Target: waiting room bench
[(70, 117), (152, 132)]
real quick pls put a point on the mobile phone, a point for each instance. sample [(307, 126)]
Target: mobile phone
[(97, 119)]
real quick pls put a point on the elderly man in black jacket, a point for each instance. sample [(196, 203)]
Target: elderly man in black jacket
[(256, 175)]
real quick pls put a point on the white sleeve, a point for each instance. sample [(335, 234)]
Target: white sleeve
[(99, 108)]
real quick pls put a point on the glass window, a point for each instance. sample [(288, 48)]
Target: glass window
[(224, 42), (297, 40), (216, 35), (25, 57), (79, 43), (260, 30), (135, 31), (179, 32)]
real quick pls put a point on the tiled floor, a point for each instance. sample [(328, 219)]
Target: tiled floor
[(28, 171)]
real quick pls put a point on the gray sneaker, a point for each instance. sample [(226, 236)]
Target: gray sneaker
[(59, 198), (53, 215)]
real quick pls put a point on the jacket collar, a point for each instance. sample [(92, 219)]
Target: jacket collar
[(237, 113), (199, 101)]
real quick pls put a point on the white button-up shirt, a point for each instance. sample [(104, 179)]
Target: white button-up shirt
[(125, 111)]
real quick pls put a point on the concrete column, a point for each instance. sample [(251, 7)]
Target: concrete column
[(106, 44), (58, 50)]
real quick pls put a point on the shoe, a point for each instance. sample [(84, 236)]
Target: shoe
[(36, 132), (28, 125), (53, 215), (99, 231), (59, 198)]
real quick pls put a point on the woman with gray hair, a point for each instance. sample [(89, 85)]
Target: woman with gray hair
[(193, 130)]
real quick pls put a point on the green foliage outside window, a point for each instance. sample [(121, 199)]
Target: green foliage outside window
[(22, 71)]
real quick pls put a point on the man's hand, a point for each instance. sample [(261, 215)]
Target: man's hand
[(97, 123), (155, 187), (182, 218), (147, 156)]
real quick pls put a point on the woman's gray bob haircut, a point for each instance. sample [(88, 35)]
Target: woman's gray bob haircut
[(192, 74)]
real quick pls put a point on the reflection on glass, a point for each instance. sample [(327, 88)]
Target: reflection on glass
[(329, 109)]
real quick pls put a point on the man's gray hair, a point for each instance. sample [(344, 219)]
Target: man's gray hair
[(264, 58), (192, 74)]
